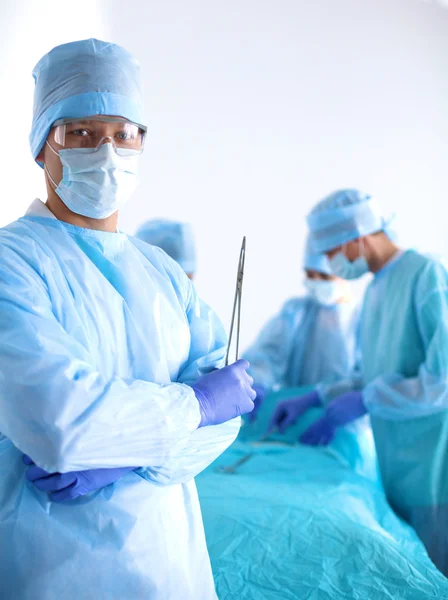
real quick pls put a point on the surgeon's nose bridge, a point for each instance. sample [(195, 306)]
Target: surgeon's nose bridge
[(106, 139), (103, 130)]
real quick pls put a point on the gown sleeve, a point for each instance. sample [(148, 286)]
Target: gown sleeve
[(59, 409)]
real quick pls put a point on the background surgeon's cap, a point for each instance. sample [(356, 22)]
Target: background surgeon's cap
[(343, 216), (175, 238), (316, 262), (83, 79)]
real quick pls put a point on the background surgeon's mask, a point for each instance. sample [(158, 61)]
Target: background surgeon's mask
[(96, 184), (326, 293), (342, 267)]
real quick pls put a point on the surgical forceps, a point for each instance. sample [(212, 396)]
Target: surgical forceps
[(232, 469), (237, 302)]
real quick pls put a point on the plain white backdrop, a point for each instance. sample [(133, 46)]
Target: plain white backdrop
[(255, 110)]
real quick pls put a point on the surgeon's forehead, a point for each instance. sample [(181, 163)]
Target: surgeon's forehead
[(313, 274), (334, 251)]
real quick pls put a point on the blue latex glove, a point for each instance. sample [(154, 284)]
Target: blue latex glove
[(339, 412), (67, 486), (261, 392), (225, 394), (288, 411)]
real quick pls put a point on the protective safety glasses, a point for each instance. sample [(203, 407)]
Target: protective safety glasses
[(90, 132)]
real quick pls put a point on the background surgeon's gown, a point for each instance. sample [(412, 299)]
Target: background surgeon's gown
[(404, 337), (404, 373), (305, 344), (94, 329)]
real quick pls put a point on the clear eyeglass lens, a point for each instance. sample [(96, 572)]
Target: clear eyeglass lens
[(90, 134)]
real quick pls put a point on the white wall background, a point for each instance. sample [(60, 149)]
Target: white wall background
[(256, 109), (29, 29)]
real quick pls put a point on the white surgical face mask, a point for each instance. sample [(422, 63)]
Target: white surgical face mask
[(342, 267), (96, 184), (326, 293)]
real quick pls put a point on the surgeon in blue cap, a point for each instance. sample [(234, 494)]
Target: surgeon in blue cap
[(311, 340), (404, 360), (113, 394), (175, 238)]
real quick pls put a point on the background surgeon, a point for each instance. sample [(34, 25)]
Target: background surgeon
[(175, 238), (311, 340), (404, 361)]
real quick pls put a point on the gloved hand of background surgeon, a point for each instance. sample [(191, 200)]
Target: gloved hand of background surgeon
[(288, 411), (68, 486), (261, 392), (342, 410), (225, 394)]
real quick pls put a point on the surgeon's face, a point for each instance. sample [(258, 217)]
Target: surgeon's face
[(91, 133), (316, 275), (351, 250)]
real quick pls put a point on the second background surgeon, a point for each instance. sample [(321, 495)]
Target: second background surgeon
[(312, 339)]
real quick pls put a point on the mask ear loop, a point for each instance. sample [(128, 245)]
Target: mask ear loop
[(361, 248), (51, 148), (46, 168)]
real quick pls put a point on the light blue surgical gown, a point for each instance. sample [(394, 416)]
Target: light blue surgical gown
[(404, 365), (99, 334), (304, 344)]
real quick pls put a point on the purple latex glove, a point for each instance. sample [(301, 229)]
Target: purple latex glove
[(261, 395), (288, 411), (225, 394), (67, 486), (339, 412)]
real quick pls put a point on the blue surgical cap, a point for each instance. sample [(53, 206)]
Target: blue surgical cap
[(316, 262), (343, 216), (175, 238), (83, 79)]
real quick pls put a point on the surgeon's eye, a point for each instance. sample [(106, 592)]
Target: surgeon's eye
[(128, 134), (80, 132), (124, 135)]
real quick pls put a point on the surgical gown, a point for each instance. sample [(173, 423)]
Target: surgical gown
[(304, 344), (404, 346), (99, 334)]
